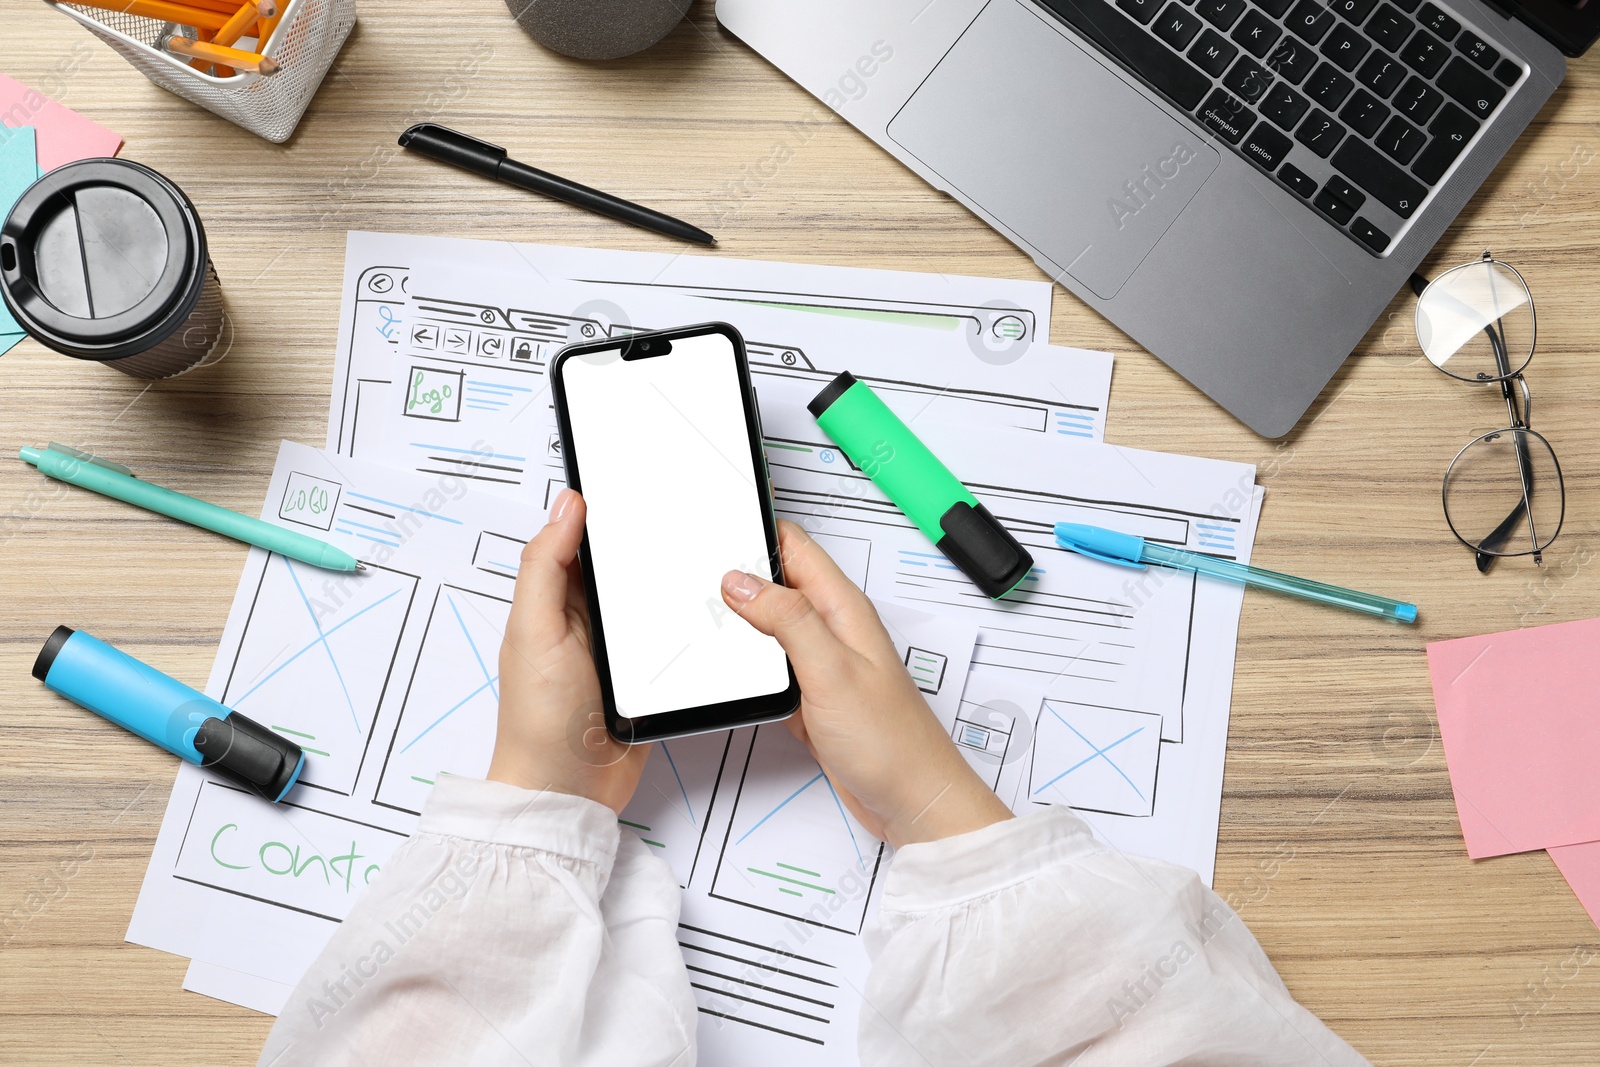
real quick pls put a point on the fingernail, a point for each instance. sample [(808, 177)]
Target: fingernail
[(563, 503), (741, 586)]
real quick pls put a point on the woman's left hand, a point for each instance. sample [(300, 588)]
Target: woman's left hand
[(552, 731)]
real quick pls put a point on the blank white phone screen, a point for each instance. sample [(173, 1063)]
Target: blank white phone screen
[(663, 456)]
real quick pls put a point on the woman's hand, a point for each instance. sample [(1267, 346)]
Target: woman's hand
[(552, 730), (860, 714)]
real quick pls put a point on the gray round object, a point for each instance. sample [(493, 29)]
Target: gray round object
[(598, 29)]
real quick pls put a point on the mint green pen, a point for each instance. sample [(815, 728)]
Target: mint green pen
[(114, 480), (1125, 550)]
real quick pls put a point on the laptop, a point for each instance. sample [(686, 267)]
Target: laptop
[(1242, 186)]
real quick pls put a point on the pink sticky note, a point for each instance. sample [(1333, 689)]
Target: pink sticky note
[(1580, 866), (1519, 714), (64, 135)]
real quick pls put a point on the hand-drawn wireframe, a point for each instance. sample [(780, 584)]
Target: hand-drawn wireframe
[(791, 846), (323, 649), (1095, 759), (447, 722), (671, 809)]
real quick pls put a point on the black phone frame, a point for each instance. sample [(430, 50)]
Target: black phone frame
[(770, 707)]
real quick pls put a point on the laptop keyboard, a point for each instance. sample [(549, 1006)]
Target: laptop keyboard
[(1358, 107)]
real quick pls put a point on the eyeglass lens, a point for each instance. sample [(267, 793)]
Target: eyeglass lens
[(1476, 322), (1496, 485)]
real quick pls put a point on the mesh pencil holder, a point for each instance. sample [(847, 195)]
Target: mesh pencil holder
[(307, 39)]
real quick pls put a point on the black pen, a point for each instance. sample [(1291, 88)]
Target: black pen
[(469, 153)]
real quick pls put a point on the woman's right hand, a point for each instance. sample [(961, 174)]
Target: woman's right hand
[(862, 717)]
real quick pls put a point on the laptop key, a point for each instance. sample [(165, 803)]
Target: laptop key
[(1452, 128), (1418, 100), (1298, 181), (1406, 5), (1328, 87), (1424, 54), (1478, 50), (1310, 21), (1389, 28), (1331, 204), (1369, 235), (1507, 72), (1292, 60), (1128, 42), (1432, 18), (1221, 13), (1255, 33), (1248, 79), (1400, 140), (1353, 10), (1284, 106), (1319, 133), (1388, 184), (1345, 47), (1226, 115), (1266, 147), (1462, 82), (1365, 113), (1212, 53), (1381, 73), (1142, 10), (1177, 27)]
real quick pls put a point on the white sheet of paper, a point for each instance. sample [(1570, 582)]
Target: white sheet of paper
[(487, 416), (236, 987), (378, 309), (384, 678)]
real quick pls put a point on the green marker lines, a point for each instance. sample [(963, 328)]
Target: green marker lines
[(419, 778), (646, 829), (791, 881), (798, 870)]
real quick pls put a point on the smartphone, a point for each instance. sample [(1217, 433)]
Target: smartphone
[(660, 433)]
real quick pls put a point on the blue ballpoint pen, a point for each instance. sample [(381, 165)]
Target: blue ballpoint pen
[(1125, 550)]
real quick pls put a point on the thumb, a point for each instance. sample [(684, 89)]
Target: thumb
[(789, 616)]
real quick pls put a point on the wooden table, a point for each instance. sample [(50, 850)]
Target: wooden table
[(1336, 780)]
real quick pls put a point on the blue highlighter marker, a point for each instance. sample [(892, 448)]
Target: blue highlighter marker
[(164, 711)]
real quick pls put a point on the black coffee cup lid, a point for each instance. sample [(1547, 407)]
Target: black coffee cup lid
[(102, 258)]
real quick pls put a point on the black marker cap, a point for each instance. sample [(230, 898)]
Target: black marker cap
[(52, 648), (830, 392), (245, 752), (985, 551)]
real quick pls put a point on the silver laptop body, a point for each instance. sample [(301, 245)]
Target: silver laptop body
[(1249, 254)]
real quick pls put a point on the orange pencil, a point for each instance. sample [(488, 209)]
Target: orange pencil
[(242, 20), (228, 7), (233, 57), (162, 10), (268, 27), (205, 67)]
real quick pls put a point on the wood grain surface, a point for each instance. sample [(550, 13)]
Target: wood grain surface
[(1336, 780)]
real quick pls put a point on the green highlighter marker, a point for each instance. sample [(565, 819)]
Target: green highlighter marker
[(884, 448), (114, 480)]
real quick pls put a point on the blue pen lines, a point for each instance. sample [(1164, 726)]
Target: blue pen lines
[(1213, 536), (1075, 424), (462, 452), (819, 777), (486, 396), (322, 638), (688, 806), (403, 507), (490, 682), (928, 559), (1096, 753)]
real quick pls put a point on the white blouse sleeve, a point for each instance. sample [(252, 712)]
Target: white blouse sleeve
[(1029, 942), (514, 927)]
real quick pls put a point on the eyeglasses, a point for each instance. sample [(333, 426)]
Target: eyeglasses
[(1503, 493)]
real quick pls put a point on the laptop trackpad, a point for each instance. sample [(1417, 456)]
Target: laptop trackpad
[(1042, 136)]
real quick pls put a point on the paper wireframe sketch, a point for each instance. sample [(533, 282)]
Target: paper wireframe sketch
[(377, 312), (384, 678), (476, 400)]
